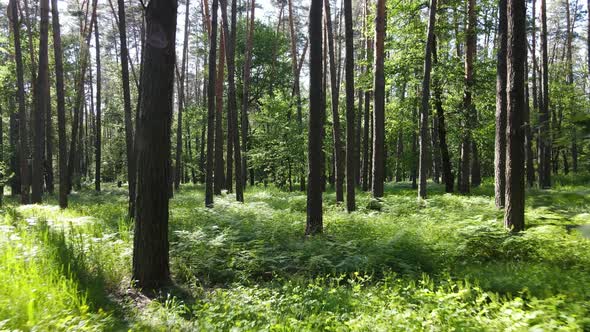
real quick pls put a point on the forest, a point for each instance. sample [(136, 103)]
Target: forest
[(294, 165)]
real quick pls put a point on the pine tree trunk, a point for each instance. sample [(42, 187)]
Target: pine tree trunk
[(379, 102), (338, 152), (15, 182), (131, 157), (181, 99), (150, 243), (500, 141), (211, 106), (98, 137), (246, 93), (219, 169), (544, 145), (230, 44), (314, 154), (61, 112), (423, 168), (350, 116), (515, 132)]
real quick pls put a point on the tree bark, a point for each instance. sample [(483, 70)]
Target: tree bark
[(544, 145), (181, 99), (423, 168), (314, 152), (98, 137), (246, 92), (515, 194), (61, 112), (335, 89), (219, 171), (379, 102), (150, 243), (500, 141), (230, 43), (131, 161), (211, 106), (350, 116)]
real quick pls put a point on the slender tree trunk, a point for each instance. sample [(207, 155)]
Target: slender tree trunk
[(425, 102), (544, 145), (15, 183), (528, 145), (350, 116), (98, 137), (500, 141), (150, 244), (41, 105), (61, 113), (314, 152), (181, 99), (230, 44), (131, 167), (379, 102), (246, 92), (211, 106), (515, 193), (338, 152), (48, 163), (219, 171)]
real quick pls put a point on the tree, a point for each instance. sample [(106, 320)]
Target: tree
[(314, 150), (150, 243), (131, 167), (379, 102), (500, 142), (423, 167), (468, 108), (544, 145), (338, 155), (515, 132), (350, 117), (211, 105), (246, 95), (181, 101), (230, 45), (219, 171), (98, 134), (61, 112), (22, 115)]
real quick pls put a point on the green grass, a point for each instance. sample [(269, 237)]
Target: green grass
[(400, 264)]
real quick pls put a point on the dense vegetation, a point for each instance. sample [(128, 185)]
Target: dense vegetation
[(294, 165), (447, 263)]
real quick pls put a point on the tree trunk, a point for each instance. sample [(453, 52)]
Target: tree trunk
[(338, 152), (468, 108), (379, 102), (15, 182), (98, 137), (181, 99), (425, 102), (48, 162), (500, 141), (219, 176), (150, 244), (515, 132), (350, 117), (528, 144), (211, 106), (131, 158), (230, 43), (61, 113), (447, 167), (314, 192), (246, 92), (544, 145)]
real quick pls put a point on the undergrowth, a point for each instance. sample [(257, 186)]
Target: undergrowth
[(399, 264)]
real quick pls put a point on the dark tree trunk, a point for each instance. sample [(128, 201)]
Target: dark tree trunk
[(528, 144), (314, 189), (131, 157), (544, 145), (366, 142), (423, 168), (219, 176), (447, 167), (48, 162), (230, 43), (379, 102), (15, 157), (515, 132), (211, 106), (41, 104), (98, 137), (500, 141), (181, 99), (202, 157), (468, 108), (150, 243), (246, 93), (350, 117), (61, 112), (338, 152)]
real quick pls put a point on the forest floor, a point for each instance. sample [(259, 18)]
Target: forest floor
[(443, 264)]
